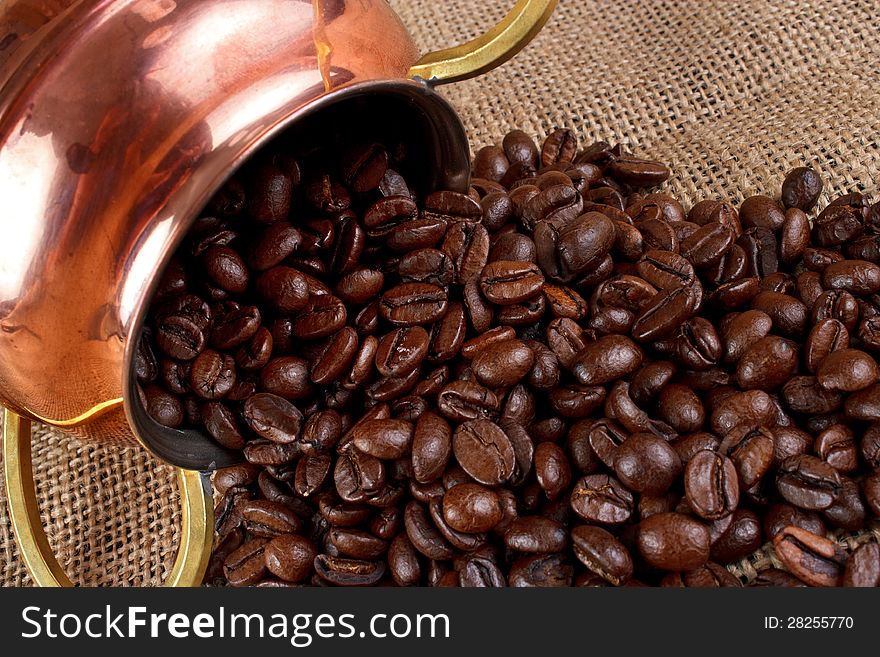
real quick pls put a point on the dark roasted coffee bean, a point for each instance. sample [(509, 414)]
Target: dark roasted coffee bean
[(484, 451), (863, 567), (287, 377), (838, 224), (162, 406), (503, 364), (609, 358), (663, 314), (815, 560), (535, 534), (801, 189), (711, 485), (412, 304), (767, 363), (246, 565), (602, 499), (602, 553), (212, 375), (290, 557), (761, 211), (273, 418), (646, 464), (348, 572), (750, 448), (451, 207), (403, 562), (385, 439), (402, 351), (808, 482), (559, 147), (639, 173), (491, 163), (673, 541), (423, 534), (471, 508), (179, 337), (847, 370), (464, 400)]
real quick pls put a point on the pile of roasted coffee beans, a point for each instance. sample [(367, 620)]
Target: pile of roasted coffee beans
[(553, 380)]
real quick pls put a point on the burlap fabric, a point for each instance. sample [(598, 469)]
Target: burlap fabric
[(731, 93)]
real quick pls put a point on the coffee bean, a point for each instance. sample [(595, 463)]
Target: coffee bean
[(385, 439), (815, 560), (808, 482), (412, 304), (290, 557), (863, 567), (484, 451), (673, 541), (611, 357), (602, 553), (246, 565), (602, 499), (639, 173), (801, 189), (471, 508), (503, 364), (348, 572), (273, 418), (847, 370), (711, 485), (535, 534), (559, 147), (767, 363)]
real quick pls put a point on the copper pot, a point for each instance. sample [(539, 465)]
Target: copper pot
[(119, 119)]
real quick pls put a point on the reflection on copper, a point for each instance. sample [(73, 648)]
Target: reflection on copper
[(118, 122)]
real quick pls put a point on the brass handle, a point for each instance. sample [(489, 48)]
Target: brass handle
[(196, 533), (488, 51)]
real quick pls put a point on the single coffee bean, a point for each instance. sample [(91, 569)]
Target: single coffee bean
[(767, 363), (801, 188), (602, 499), (503, 364), (639, 173), (471, 508), (535, 534), (267, 518), (289, 557), (484, 451), (827, 336), (611, 357), (273, 418), (808, 482), (559, 147), (847, 370), (711, 485), (647, 464), (815, 560), (385, 439), (412, 304), (602, 553), (348, 572), (673, 541), (246, 565), (552, 469), (863, 567)]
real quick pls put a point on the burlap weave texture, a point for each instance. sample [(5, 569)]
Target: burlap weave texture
[(732, 94)]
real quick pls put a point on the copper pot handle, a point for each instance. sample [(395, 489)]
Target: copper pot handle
[(488, 51), (196, 533)]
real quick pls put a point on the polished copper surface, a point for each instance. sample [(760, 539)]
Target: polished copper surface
[(117, 122)]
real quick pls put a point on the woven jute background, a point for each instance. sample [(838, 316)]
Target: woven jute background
[(732, 94)]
